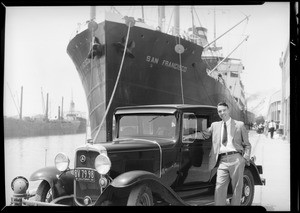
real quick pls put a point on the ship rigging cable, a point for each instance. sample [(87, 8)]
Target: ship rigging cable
[(180, 49), (129, 22), (92, 58), (181, 84)]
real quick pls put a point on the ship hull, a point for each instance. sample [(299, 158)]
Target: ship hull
[(152, 72)]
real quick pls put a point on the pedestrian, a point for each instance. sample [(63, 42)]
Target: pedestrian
[(230, 152), (260, 128), (272, 126)]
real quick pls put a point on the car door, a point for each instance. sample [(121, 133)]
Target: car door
[(195, 152), (194, 172)]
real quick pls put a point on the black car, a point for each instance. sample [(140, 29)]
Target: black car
[(147, 163)]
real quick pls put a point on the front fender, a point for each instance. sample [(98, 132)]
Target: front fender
[(61, 186), (132, 177), (48, 173), (123, 184), (255, 172)]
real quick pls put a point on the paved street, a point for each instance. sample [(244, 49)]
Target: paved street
[(274, 156)]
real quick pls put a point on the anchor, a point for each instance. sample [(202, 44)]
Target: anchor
[(130, 47), (97, 49)]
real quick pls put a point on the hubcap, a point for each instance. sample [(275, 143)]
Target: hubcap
[(49, 196), (145, 200), (247, 191)]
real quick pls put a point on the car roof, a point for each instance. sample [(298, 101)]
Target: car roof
[(161, 108)]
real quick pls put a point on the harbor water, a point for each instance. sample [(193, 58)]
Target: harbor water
[(23, 156)]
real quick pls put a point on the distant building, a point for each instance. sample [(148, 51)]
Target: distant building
[(274, 107), (284, 63)]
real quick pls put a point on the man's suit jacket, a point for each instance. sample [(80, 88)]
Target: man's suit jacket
[(239, 135)]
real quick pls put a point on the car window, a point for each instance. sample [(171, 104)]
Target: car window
[(147, 125), (193, 123)]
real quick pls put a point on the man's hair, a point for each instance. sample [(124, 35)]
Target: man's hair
[(223, 104)]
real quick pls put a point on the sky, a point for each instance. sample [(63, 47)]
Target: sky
[(36, 40)]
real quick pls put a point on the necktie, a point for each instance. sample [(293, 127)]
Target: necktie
[(224, 138)]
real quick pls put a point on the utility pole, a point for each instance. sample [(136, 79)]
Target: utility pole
[(21, 103)]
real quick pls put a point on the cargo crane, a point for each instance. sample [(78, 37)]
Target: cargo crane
[(21, 104)]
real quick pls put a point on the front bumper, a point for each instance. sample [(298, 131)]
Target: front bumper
[(22, 195), (22, 200)]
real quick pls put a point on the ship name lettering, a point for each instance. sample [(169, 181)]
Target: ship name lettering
[(152, 59), (174, 65)]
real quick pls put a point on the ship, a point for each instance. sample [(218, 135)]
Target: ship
[(122, 61), (41, 125), (31, 127)]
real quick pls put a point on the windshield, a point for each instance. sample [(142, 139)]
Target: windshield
[(158, 125)]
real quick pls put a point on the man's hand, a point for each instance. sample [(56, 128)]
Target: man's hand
[(247, 160), (186, 137)]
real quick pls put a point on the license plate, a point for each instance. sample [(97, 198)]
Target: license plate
[(87, 175)]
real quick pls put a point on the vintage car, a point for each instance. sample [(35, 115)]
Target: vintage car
[(148, 163)]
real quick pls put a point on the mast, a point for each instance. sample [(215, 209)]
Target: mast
[(46, 113), (193, 23), (21, 103), (43, 101), (143, 16), (176, 20), (62, 108), (92, 13), (215, 43), (58, 113), (161, 18)]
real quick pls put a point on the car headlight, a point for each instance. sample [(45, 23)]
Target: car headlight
[(19, 185), (61, 162), (102, 164)]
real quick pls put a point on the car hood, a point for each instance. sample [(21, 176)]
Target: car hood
[(137, 154), (134, 144)]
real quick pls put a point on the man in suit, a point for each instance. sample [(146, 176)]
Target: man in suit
[(230, 152)]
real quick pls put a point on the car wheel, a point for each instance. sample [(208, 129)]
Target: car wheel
[(248, 188), (140, 196), (44, 192)]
